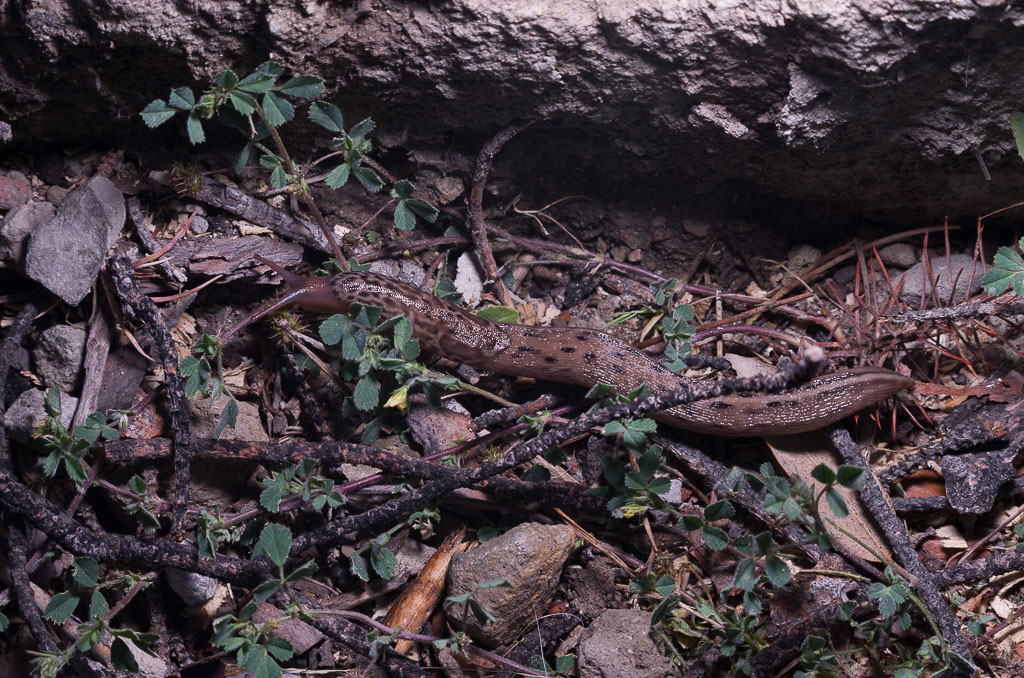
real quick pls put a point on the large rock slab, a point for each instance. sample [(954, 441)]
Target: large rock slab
[(67, 250)]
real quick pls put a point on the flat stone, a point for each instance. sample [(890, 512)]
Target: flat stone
[(530, 557), (67, 250), (205, 416), (59, 355), (301, 635), (28, 411), (965, 272)]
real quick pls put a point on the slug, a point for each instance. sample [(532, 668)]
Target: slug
[(586, 357)]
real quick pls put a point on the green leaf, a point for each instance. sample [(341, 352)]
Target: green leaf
[(121, 657), (276, 541), (361, 129), (823, 474), (277, 109), (61, 606), (715, 538), (746, 575), (850, 476), (720, 510), (228, 417), (87, 572), (403, 189), (226, 79), (338, 176), (182, 99), (383, 562), (242, 102), (1017, 126), (777, 571), (405, 219), (327, 116), (98, 606), (836, 503), (659, 486), (194, 125), (359, 566), (499, 314), (334, 328), (278, 178), (265, 590), (366, 394), (257, 83), (368, 178), (280, 648), (648, 462), (689, 523), (303, 86), (664, 609), (423, 208), (157, 113)]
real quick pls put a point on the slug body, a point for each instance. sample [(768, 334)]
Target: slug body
[(587, 357)]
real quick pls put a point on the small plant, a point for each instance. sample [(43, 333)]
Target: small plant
[(67, 448), (86, 585), (1007, 271), (202, 380), (255, 650)]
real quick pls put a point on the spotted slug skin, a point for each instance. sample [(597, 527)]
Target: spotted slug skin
[(587, 357)]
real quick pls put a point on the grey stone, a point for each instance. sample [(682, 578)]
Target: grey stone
[(618, 645), (28, 410), (192, 588), (900, 255), (530, 556), (56, 194), (301, 635), (204, 416), (58, 356), (17, 226), (965, 272), (66, 251)]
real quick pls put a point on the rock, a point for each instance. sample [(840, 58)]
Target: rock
[(205, 416), (56, 194), (801, 257), (618, 645), (59, 355), (917, 278), (900, 255), (66, 251), (437, 430), (150, 666), (530, 556), (17, 226), (192, 588), (301, 635), (15, 190), (28, 411)]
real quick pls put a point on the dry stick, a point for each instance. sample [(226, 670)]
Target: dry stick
[(135, 305), (474, 211), (97, 349), (16, 541), (874, 499)]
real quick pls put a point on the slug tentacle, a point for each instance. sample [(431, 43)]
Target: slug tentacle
[(587, 357)]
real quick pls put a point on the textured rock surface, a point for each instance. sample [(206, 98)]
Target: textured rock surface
[(66, 251), (617, 645), (16, 227), (530, 556), (888, 110), (58, 356), (28, 410)]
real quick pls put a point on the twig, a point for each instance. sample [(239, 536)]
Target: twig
[(874, 499), (474, 212), (135, 305)]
